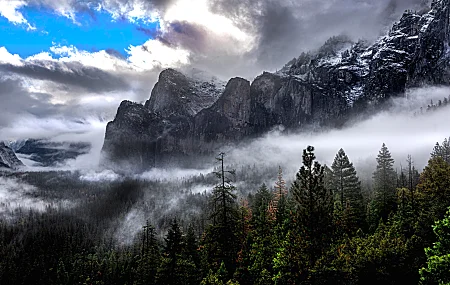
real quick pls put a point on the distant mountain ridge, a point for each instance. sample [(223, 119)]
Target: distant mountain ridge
[(8, 158), (185, 119), (48, 153)]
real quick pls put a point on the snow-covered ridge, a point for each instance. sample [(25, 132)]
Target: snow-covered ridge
[(353, 70)]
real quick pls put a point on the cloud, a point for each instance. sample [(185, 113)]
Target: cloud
[(155, 55), (72, 74), (238, 38), (17, 102), (283, 29), (133, 10), (10, 10)]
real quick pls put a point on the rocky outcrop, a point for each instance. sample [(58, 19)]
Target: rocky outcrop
[(8, 158), (186, 118)]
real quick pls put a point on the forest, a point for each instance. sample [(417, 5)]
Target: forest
[(323, 228)]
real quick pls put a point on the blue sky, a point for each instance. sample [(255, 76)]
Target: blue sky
[(95, 30)]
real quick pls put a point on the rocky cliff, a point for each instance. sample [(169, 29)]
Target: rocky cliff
[(185, 118), (8, 158)]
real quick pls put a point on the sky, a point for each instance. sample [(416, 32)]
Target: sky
[(65, 65)]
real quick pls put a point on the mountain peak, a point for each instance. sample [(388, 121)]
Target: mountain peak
[(187, 117)]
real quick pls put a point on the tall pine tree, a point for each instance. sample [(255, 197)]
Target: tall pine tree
[(221, 241), (314, 205), (150, 256), (346, 188), (385, 182), (171, 270)]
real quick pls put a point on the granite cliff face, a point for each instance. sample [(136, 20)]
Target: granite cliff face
[(8, 158), (186, 118)]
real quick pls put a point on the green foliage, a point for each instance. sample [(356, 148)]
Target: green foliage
[(377, 258), (150, 257), (314, 206), (221, 240), (292, 241), (346, 187), (385, 180), (437, 270)]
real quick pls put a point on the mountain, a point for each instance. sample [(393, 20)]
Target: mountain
[(8, 158), (47, 153), (185, 118)]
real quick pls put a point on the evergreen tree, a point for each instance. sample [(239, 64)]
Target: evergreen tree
[(385, 180), (442, 150), (413, 180), (433, 195), (279, 192), (150, 256), (221, 239), (346, 188), (261, 248), (191, 255), (261, 201), (170, 271), (242, 273), (314, 205)]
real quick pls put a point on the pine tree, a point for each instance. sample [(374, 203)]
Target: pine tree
[(192, 257), (261, 201), (261, 248), (170, 271), (442, 150), (279, 192), (314, 205), (150, 256), (385, 180), (346, 188), (221, 239)]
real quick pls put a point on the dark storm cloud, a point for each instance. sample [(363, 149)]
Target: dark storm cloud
[(286, 28), (189, 35), (16, 102), (73, 74)]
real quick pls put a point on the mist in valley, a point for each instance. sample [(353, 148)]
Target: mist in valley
[(159, 195)]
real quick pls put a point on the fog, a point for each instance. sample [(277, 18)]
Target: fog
[(402, 128), (171, 174), (178, 192), (16, 195)]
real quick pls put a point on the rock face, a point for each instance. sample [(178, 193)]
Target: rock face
[(8, 158), (185, 118)]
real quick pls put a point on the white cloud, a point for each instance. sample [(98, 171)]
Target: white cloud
[(197, 11), (133, 10), (154, 54), (9, 10), (7, 58)]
